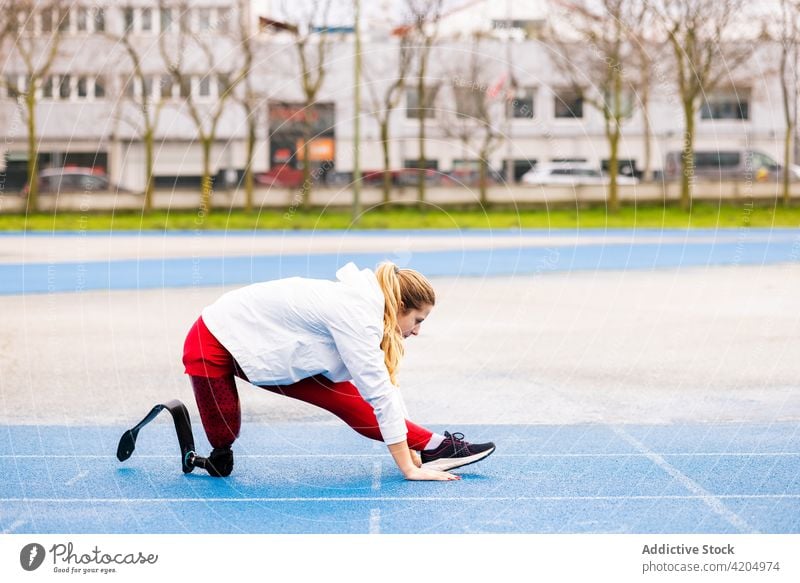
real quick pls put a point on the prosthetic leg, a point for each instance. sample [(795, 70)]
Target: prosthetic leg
[(218, 464)]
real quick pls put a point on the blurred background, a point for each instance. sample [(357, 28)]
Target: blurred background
[(246, 104)]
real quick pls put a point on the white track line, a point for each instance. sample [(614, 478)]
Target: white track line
[(375, 521), (374, 455), (77, 478), (376, 476), (406, 499), (707, 497), (14, 526)]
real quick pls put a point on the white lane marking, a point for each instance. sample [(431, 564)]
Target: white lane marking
[(80, 476), (376, 476), (409, 499), (14, 526), (375, 521), (369, 455), (707, 497)]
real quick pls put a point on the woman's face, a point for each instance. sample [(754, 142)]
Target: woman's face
[(411, 320)]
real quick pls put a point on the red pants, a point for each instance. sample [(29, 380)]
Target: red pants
[(211, 369)]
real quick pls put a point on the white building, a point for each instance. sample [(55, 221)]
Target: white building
[(89, 108)]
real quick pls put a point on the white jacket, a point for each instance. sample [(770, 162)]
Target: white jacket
[(286, 330)]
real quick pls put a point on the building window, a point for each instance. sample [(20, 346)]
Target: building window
[(727, 104), (64, 87), (147, 87), (166, 20), (128, 18), (82, 87), (47, 87), (99, 87), (568, 104), (203, 19), (146, 19), (63, 22), (413, 108), (12, 86), (82, 19), (166, 86), (185, 87), (46, 20), (223, 20), (469, 101), (223, 83), (415, 163), (204, 86), (99, 20), (521, 106), (184, 21), (26, 22), (129, 88), (519, 168)]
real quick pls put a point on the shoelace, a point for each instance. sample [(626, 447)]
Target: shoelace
[(459, 445)]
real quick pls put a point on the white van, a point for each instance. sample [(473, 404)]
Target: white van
[(729, 165)]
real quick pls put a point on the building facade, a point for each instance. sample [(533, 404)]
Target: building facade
[(91, 102)]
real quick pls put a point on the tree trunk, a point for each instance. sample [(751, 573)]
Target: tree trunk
[(787, 162), (149, 179), (790, 122), (305, 189), (387, 170), (483, 186), (421, 112), (206, 183), (648, 133), (613, 169), (33, 153), (248, 167), (687, 157)]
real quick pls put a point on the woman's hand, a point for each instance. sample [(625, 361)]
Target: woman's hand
[(409, 463), (424, 474)]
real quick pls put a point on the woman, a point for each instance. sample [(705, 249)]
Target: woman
[(306, 339)]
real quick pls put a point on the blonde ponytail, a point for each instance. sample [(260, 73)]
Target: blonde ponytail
[(404, 290)]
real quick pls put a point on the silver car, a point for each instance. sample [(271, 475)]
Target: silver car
[(571, 174)]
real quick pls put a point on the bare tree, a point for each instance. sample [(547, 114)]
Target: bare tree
[(789, 39), (477, 92), (701, 35), (138, 89), (385, 97), (647, 54), (249, 98), (423, 30), (36, 29), (596, 58), (197, 51), (311, 41)]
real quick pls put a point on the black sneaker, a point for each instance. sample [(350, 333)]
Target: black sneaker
[(454, 452)]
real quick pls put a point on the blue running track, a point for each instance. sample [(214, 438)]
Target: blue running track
[(326, 479), (675, 249)]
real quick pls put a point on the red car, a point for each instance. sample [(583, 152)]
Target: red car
[(281, 176)]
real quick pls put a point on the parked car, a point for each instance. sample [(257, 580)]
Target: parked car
[(73, 179), (410, 177), (571, 174), (728, 165), (471, 176), (400, 177), (281, 176)]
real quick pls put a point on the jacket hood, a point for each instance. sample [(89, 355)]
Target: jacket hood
[(362, 279)]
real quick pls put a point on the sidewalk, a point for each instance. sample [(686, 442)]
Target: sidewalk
[(286, 200)]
